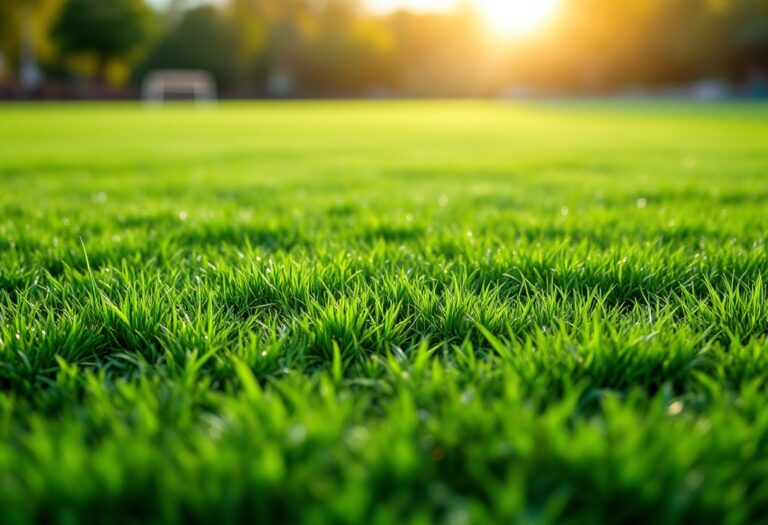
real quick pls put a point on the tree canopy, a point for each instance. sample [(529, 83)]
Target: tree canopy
[(106, 29)]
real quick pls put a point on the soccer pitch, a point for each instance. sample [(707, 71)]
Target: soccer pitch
[(384, 312)]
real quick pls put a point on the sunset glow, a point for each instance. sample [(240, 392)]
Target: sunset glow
[(503, 17), (516, 17)]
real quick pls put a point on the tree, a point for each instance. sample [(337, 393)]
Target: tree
[(24, 32), (203, 39), (748, 35), (108, 30)]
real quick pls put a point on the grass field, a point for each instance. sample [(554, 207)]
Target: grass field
[(400, 312)]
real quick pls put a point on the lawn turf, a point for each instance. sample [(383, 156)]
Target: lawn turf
[(384, 312)]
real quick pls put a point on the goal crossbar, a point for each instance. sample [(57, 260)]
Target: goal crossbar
[(198, 84)]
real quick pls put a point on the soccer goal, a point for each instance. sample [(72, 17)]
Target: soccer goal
[(168, 84)]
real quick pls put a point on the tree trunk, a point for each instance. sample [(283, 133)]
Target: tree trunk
[(101, 71), (29, 71)]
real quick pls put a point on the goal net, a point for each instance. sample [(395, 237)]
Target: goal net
[(162, 85)]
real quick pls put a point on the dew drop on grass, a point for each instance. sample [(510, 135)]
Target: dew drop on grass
[(703, 426), (676, 408), (99, 198), (297, 434), (357, 436), (214, 432)]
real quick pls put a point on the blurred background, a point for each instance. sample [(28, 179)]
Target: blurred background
[(78, 49)]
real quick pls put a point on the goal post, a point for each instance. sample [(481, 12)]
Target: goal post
[(198, 85)]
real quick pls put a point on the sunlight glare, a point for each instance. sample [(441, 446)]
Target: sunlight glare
[(516, 17)]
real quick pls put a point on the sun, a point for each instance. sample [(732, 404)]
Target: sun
[(516, 17)]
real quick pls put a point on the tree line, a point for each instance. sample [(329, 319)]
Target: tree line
[(336, 47)]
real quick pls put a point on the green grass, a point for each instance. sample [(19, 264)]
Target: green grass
[(437, 312)]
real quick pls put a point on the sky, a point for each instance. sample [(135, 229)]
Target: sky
[(375, 5), (421, 5), (503, 17)]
